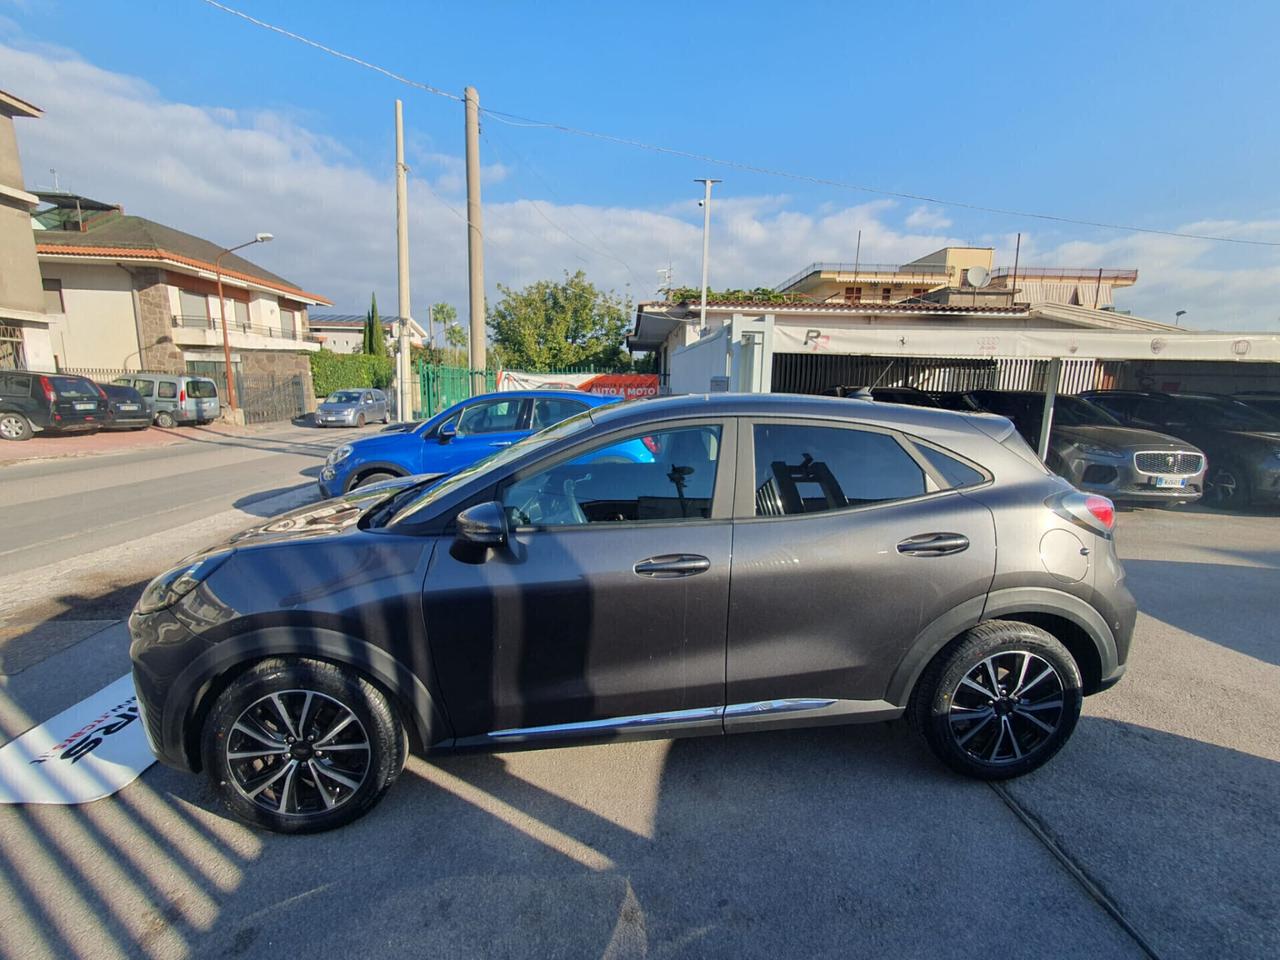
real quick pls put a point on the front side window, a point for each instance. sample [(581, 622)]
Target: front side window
[(168, 390), (548, 411), (492, 416), (810, 469), (668, 475)]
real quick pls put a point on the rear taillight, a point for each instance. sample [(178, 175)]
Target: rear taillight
[(1088, 510), (652, 444), (182, 396), (102, 393), (50, 393)]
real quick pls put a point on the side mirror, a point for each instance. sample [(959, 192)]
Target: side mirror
[(484, 525), (447, 432)]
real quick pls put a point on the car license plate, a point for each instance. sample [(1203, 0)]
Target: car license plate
[(1171, 481), (127, 406), (86, 406)]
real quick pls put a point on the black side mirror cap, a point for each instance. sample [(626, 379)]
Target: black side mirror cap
[(483, 525)]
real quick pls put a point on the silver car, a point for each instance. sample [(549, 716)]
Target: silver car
[(353, 408)]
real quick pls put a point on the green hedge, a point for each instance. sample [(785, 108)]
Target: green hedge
[(335, 371)]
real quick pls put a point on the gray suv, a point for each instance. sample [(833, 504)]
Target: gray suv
[(771, 562)]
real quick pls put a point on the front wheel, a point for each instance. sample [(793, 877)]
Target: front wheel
[(1227, 487), (165, 419), (299, 746), (369, 479), (999, 701), (14, 426)]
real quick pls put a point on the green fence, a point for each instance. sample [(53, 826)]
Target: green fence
[(440, 387)]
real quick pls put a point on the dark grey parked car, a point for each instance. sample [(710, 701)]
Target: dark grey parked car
[(1095, 451), (1241, 440), (781, 561)]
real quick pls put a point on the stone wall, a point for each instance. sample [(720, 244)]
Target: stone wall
[(155, 321), (281, 364)]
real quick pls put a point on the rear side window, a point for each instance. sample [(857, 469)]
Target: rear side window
[(955, 472), (202, 389), (168, 390), (551, 410), (145, 388), (14, 385), (804, 469)]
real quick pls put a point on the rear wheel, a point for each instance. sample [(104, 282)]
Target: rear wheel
[(999, 701), (14, 426), (371, 478), (299, 746), (165, 419), (1227, 487)]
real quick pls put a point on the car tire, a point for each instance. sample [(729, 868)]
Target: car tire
[(952, 709), (1227, 487), (14, 426), (371, 478), (165, 419), (264, 746)]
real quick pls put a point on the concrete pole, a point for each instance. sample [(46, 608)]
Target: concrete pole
[(1051, 377), (475, 243), (706, 247), (404, 402)]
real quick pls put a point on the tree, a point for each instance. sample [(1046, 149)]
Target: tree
[(455, 336), (375, 339), (755, 295), (442, 314), (552, 325)]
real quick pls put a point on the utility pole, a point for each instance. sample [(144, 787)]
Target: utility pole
[(706, 246), (404, 403), (1013, 283), (475, 243)]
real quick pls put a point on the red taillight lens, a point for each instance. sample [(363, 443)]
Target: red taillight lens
[(49, 392), (1103, 509), (102, 393), (182, 396), (652, 444)]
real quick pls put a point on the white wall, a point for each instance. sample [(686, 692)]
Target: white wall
[(692, 367), (97, 327)]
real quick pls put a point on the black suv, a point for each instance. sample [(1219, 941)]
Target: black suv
[(55, 402), (1241, 440), (777, 562)]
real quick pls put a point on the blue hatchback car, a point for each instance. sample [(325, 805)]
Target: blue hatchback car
[(454, 438)]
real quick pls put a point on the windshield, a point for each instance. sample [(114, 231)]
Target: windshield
[(344, 396), (1078, 412), (70, 387), (433, 494), (1224, 414)]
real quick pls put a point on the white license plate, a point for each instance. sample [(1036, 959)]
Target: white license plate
[(1171, 481), (127, 406), (90, 405)]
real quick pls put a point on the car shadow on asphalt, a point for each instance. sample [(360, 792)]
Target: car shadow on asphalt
[(825, 842), (259, 504)]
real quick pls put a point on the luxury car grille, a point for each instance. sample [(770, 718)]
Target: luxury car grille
[(1176, 462)]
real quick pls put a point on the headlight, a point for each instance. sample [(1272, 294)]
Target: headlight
[(172, 585), (338, 454), (1099, 450)]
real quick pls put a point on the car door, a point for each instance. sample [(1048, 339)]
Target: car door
[(848, 542), (606, 610), (147, 390), (475, 431)]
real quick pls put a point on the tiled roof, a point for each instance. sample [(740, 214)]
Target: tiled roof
[(817, 306)]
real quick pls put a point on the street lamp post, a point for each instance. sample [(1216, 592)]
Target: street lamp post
[(1177, 317), (705, 203), (222, 310)]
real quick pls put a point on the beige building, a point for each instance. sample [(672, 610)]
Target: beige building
[(948, 269), (24, 336), (126, 293), (344, 332)]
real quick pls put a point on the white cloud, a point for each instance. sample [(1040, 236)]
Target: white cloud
[(224, 174)]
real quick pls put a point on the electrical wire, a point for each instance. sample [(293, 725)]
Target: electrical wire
[(517, 120)]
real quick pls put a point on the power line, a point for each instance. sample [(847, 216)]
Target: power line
[(518, 120)]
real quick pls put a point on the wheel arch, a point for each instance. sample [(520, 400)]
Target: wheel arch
[(375, 466), (200, 684)]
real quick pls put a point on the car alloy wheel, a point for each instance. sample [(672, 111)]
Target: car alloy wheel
[(14, 426), (1225, 487), (165, 420), (297, 753), (1006, 707)]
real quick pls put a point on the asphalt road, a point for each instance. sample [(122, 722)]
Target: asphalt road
[(1154, 833)]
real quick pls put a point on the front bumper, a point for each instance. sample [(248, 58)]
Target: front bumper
[(334, 419), (1120, 480), (333, 483), (160, 649)]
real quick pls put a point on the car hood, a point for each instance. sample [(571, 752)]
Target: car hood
[(1122, 437), (324, 519)]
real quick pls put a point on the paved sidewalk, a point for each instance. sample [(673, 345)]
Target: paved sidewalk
[(45, 446)]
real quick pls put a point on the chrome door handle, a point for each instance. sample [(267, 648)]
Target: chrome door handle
[(501, 443), (673, 565), (934, 544)]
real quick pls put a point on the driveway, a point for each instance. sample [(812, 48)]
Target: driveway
[(1154, 833)]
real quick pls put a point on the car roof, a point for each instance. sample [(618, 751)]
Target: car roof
[(591, 399)]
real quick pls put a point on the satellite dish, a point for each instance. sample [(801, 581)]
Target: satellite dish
[(977, 276)]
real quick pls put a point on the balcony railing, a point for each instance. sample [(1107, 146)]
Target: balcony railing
[(905, 270), (260, 329), (1075, 273)]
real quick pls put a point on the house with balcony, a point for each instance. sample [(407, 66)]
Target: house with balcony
[(126, 293), (24, 329), (344, 332)]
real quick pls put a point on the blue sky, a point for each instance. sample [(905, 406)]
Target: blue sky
[(1157, 115)]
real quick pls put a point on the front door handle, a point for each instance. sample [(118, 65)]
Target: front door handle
[(501, 443), (673, 565), (934, 544)]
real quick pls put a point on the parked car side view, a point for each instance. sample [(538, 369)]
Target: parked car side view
[(1268, 401), (174, 398), (1094, 450), (1241, 441), (32, 402), (453, 439), (126, 409), (353, 408), (778, 561)]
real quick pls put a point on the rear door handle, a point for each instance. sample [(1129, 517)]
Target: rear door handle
[(934, 544), (673, 565)]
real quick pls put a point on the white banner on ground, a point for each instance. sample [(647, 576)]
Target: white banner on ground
[(85, 753)]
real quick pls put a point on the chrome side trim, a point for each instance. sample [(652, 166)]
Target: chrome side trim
[(806, 712), (774, 706), (643, 721)]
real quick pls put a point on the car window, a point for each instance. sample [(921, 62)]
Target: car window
[(1220, 414), (202, 389), (73, 388), (168, 390), (1152, 410), (809, 469), (551, 410), (491, 416), (1115, 405), (601, 486), (14, 385), (144, 387), (954, 471), (367, 398)]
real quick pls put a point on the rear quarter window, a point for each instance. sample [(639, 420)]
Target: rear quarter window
[(167, 390), (956, 472)]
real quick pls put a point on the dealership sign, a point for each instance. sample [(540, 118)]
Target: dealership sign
[(632, 386), (84, 753)]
